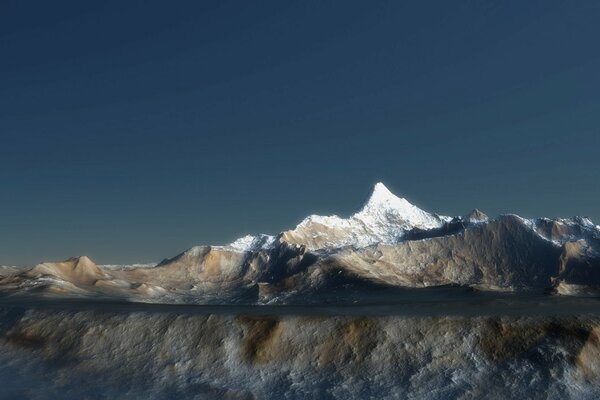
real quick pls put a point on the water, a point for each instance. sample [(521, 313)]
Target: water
[(442, 343)]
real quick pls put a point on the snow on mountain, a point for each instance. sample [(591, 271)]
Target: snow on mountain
[(383, 219), (250, 243), (385, 211)]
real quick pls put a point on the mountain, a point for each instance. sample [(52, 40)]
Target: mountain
[(385, 218), (389, 244)]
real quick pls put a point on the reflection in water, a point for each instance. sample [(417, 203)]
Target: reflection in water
[(447, 344)]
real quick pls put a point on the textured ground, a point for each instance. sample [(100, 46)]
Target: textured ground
[(141, 353)]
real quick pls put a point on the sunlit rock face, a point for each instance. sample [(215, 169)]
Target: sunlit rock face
[(155, 355), (504, 253)]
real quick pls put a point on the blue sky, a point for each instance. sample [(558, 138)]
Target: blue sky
[(133, 130)]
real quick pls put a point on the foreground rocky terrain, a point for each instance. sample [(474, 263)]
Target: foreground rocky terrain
[(388, 243), (107, 353)]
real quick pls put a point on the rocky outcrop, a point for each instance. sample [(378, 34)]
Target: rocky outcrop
[(504, 253)]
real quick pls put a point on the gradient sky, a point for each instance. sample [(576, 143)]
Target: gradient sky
[(131, 131)]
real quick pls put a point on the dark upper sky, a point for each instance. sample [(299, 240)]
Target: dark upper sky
[(133, 130)]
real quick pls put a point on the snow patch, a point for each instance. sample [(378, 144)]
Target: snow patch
[(250, 243)]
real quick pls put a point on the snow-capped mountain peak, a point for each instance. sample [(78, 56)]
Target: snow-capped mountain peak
[(385, 206), (381, 196), (382, 200), (383, 219)]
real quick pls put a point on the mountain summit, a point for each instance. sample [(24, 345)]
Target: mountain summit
[(382, 197), (384, 207), (384, 218)]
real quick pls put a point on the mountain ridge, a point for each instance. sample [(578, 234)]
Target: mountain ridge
[(389, 242), (384, 217)]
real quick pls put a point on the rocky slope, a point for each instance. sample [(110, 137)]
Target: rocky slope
[(388, 243)]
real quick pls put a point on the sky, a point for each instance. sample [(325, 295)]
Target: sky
[(130, 131)]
